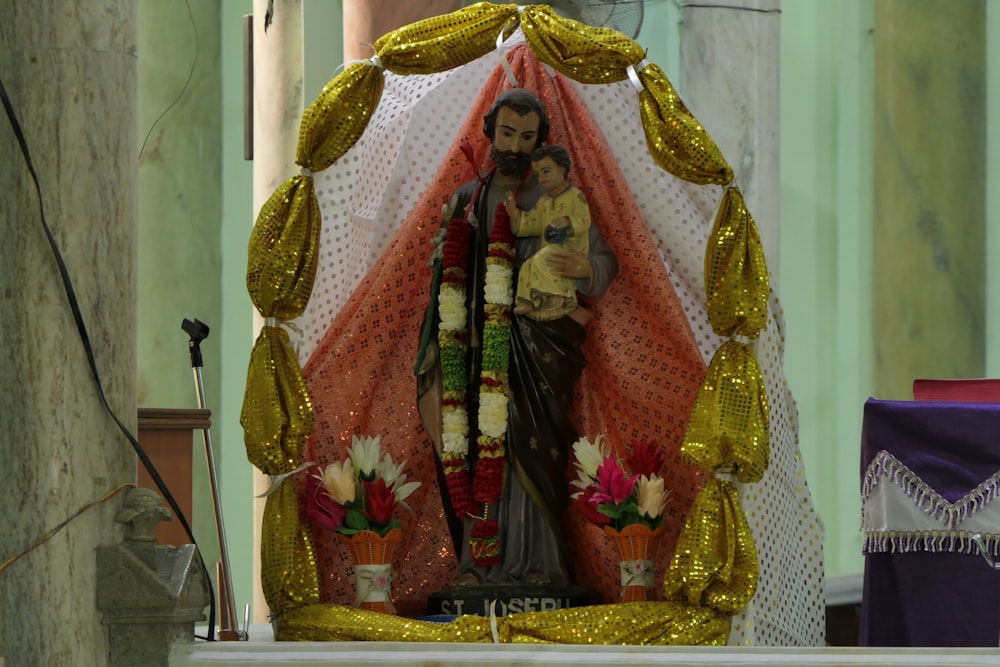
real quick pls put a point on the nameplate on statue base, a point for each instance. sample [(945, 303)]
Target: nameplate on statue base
[(507, 599)]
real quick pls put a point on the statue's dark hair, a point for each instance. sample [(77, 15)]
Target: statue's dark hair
[(523, 102), (558, 154)]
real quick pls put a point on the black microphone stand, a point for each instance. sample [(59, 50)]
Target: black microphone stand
[(228, 631)]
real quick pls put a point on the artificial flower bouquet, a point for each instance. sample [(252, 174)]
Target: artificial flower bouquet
[(360, 493), (619, 492)]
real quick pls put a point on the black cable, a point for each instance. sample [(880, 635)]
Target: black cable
[(88, 349)]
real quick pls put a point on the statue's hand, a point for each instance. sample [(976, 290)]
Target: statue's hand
[(569, 263), (448, 210), (510, 202)]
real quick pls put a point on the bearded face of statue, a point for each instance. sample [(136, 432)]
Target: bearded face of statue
[(515, 137)]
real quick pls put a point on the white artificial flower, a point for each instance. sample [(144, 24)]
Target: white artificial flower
[(498, 284), (582, 481), (365, 452), (451, 308), (455, 444), (455, 432), (338, 480), (652, 496), (403, 491), (589, 457), (388, 470), (492, 414)]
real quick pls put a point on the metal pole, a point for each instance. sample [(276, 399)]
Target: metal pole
[(228, 631)]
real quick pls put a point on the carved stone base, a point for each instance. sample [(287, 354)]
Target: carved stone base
[(507, 599)]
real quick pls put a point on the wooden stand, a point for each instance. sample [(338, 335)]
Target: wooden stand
[(167, 436)]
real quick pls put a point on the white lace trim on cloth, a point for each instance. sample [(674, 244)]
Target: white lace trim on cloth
[(902, 513)]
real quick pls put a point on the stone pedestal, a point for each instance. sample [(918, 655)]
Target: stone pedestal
[(149, 595)]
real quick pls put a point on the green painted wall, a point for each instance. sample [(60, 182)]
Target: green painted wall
[(180, 208), (825, 262)]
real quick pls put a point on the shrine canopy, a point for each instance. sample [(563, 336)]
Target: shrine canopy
[(341, 252)]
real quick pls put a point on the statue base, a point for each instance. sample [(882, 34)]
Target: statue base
[(507, 599)]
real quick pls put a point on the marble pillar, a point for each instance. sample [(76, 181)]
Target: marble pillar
[(730, 73), (277, 111), (70, 71), (367, 20), (929, 193)]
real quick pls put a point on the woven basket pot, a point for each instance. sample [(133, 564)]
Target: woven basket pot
[(371, 554), (637, 544)]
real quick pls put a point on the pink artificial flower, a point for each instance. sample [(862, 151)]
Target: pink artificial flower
[(589, 510), (645, 457), (320, 508), (612, 485)]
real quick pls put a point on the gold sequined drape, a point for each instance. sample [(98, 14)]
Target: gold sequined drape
[(276, 414), (713, 574), (716, 561)]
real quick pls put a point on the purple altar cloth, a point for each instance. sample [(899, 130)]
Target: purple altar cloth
[(919, 598)]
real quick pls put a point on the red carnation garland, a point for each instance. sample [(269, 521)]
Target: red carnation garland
[(488, 481), (485, 485), (453, 344)]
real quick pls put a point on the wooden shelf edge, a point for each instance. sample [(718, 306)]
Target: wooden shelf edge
[(175, 418)]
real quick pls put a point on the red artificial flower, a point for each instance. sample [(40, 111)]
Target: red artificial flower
[(454, 276), (644, 458), (456, 245), (501, 227), (501, 251), (487, 484), (460, 491), (484, 543), (319, 507), (613, 485), (379, 502), (589, 510)]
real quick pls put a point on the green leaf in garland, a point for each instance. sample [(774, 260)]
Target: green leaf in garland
[(453, 367), (495, 348)]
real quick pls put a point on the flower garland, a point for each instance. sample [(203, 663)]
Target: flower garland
[(487, 486)]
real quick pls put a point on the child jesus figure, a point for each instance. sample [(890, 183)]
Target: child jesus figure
[(562, 219)]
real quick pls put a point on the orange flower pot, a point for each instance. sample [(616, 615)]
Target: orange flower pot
[(637, 545), (372, 557)]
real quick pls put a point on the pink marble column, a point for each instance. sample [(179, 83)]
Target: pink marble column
[(730, 59), (367, 20)]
